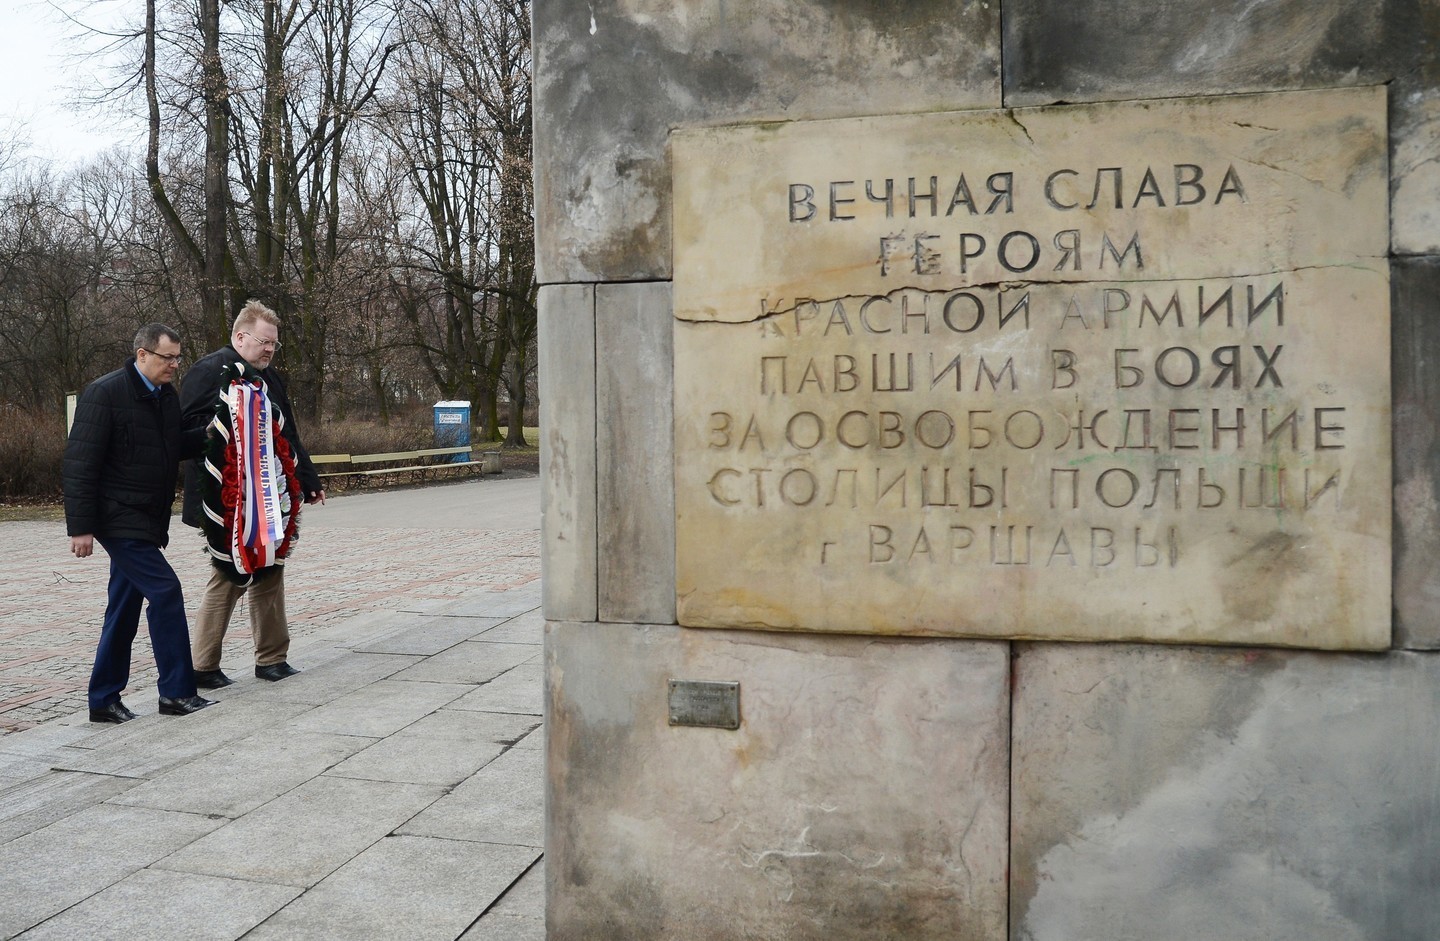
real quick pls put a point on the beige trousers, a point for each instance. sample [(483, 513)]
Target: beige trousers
[(267, 620)]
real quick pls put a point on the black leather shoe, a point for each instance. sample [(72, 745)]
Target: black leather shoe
[(115, 712), (211, 679), (183, 707), (275, 671)]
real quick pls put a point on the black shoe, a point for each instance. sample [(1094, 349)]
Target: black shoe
[(184, 706), (275, 671), (211, 679), (115, 712)]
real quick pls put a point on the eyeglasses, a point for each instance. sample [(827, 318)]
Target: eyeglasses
[(170, 358), (264, 344)]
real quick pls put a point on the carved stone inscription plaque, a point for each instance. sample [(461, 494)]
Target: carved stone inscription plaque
[(1099, 373)]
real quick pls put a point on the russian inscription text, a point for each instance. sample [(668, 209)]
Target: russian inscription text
[(1051, 393)]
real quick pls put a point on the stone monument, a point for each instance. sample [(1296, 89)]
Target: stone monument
[(992, 479)]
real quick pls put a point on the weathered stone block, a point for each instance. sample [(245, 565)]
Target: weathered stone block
[(1414, 140), (862, 797), (1057, 50), (613, 76), (1217, 795), (634, 382), (1416, 374), (567, 450), (1118, 373)]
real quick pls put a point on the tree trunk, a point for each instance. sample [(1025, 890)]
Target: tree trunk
[(217, 153), (515, 432), (194, 255)]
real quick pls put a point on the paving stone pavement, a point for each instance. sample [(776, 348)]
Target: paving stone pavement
[(51, 604), (392, 789)]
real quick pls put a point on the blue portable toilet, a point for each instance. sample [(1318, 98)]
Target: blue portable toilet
[(452, 427)]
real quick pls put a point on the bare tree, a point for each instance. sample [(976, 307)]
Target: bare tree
[(362, 165), (58, 313), (281, 84), (207, 255), (459, 116), (311, 79)]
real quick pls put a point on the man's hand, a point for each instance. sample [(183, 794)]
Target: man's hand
[(316, 496), (82, 546)]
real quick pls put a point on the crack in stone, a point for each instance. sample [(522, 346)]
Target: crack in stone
[(773, 313)]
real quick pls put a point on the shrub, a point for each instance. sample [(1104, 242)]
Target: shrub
[(32, 445), (361, 436)]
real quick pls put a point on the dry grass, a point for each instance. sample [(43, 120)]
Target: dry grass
[(32, 445), (352, 436), (364, 437)]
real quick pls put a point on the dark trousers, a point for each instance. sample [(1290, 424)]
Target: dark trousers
[(139, 573)]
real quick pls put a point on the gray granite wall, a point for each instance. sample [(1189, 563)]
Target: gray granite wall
[(951, 789)]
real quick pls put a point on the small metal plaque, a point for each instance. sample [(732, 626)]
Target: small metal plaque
[(705, 704)]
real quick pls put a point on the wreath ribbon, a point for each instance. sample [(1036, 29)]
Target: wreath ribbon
[(250, 490), (257, 518)]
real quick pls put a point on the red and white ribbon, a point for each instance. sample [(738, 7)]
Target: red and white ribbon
[(258, 525)]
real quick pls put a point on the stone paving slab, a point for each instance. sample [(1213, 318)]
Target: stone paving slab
[(525, 897), (518, 690), (535, 741), (321, 646), (471, 662), (495, 927), (443, 748), (49, 870), (381, 708), (525, 629), (16, 768), (507, 605), (141, 748), (514, 917), (143, 905), (304, 835), (41, 741), (415, 888), (497, 804), (428, 636), (39, 801), (335, 676), (30, 755), (272, 763)]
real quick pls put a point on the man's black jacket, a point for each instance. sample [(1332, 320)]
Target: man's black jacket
[(198, 392), (122, 458)]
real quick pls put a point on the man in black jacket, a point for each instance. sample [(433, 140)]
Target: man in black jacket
[(255, 337), (121, 463)]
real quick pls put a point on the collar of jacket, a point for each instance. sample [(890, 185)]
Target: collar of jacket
[(137, 385), (244, 366)]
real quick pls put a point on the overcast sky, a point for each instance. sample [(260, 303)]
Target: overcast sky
[(38, 73)]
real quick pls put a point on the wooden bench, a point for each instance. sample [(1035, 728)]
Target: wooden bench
[(417, 463)]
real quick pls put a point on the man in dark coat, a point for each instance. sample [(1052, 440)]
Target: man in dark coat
[(121, 463), (255, 338)]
